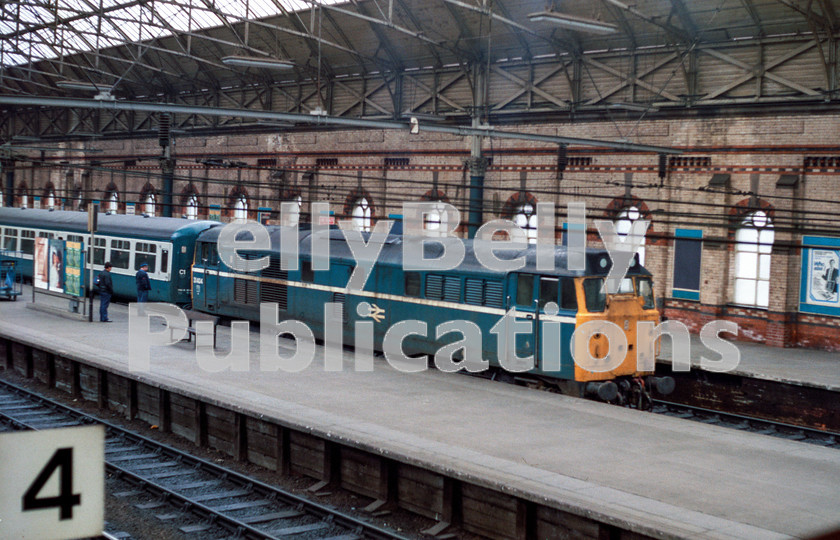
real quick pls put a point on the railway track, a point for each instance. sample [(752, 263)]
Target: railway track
[(748, 423), (210, 500)]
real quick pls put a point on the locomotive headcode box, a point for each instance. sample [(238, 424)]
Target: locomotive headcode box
[(52, 483)]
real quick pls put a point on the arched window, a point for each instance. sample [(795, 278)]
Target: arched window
[(526, 218), (294, 216), (192, 207), (1, 198), (362, 215), (624, 224), (754, 244), (240, 209), (24, 200), (436, 220), (149, 204), (111, 202), (49, 200)]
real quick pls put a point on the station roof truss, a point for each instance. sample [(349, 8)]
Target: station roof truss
[(391, 59)]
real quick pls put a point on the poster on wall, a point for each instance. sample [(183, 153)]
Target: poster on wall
[(820, 291)]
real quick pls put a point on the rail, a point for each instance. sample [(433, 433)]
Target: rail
[(210, 495)]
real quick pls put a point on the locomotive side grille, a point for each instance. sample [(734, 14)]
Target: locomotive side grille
[(452, 289), (274, 292), (244, 291), (473, 292), (493, 294), (434, 287), (340, 298)]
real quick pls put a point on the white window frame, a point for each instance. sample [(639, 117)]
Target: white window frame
[(240, 209), (150, 204), (192, 207), (624, 224), (362, 215), (525, 217), (753, 258)]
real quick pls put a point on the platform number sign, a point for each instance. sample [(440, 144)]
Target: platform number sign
[(52, 483), (61, 463)]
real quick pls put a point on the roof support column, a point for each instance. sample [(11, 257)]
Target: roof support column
[(477, 162)]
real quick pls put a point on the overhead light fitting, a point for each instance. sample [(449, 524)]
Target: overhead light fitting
[(573, 22), (637, 107), (257, 62), (83, 85)]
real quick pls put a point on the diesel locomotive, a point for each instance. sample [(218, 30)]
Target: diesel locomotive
[(185, 269)]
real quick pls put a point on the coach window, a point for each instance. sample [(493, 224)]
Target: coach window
[(525, 290), (192, 207), (624, 224), (99, 251), (412, 284), (10, 239), (120, 253), (526, 218), (754, 244), (27, 242), (145, 253)]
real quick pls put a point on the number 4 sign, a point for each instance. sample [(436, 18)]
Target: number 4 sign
[(52, 483)]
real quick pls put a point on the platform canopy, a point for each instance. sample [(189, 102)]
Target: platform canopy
[(389, 58)]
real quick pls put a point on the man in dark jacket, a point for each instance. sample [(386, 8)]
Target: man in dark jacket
[(106, 289), (143, 284)]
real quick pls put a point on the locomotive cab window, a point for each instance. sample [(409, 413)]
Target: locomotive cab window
[(549, 290), (645, 285), (568, 294), (596, 297), (412, 284), (307, 275), (525, 290)]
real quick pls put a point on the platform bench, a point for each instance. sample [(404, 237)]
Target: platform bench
[(191, 331)]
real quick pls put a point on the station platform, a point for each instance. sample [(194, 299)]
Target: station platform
[(664, 477), (800, 367)]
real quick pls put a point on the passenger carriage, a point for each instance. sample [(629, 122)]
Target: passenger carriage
[(166, 244)]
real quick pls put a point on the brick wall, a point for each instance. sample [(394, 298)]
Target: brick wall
[(324, 166)]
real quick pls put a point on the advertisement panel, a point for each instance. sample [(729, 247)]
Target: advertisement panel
[(74, 268), (820, 288)]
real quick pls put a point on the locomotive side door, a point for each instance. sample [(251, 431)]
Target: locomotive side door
[(527, 291)]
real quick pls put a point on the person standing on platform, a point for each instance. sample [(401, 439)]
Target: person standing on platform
[(143, 286), (106, 289)]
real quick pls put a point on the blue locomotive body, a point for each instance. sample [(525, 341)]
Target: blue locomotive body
[(469, 292), (166, 244)]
